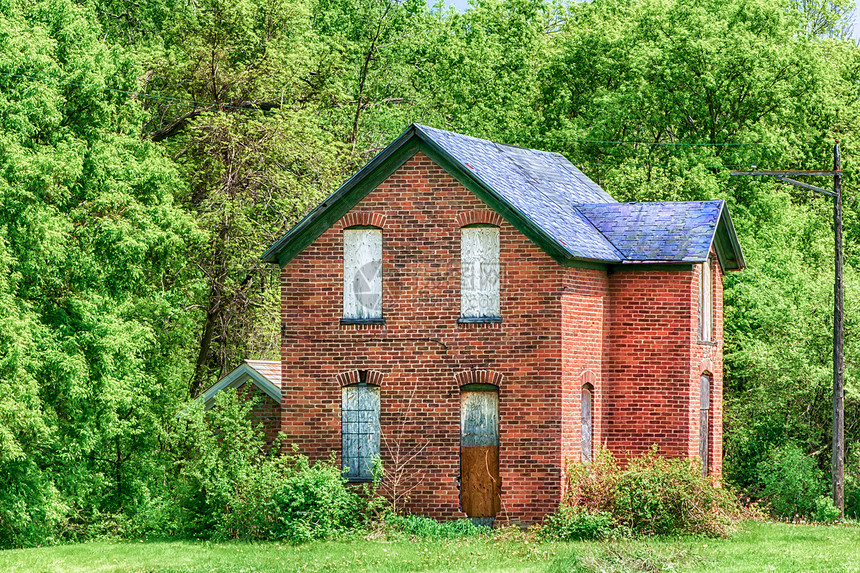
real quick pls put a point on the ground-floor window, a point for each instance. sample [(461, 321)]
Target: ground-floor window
[(586, 423), (360, 430)]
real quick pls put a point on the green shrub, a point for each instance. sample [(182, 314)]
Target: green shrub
[(852, 481), (658, 495), (428, 528), (790, 482), (576, 523), (31, 508), (592, 484), (825, 511), (229, 486), (653, 495), (312, 502)]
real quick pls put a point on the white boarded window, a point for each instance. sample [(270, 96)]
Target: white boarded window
[(586, 423), (706, 302), (360, 431), (362, 273), (479, 272)]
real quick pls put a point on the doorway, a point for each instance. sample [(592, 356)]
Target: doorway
[(480, 484)]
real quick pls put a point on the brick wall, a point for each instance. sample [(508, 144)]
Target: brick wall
[(708, 358), (647, 365), (653, 365), (584, 338), (421, 349)]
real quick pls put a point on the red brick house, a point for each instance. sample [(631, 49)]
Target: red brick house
[(477, 314)]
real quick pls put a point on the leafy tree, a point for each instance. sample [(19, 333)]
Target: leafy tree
[(231, 96), (92, 249)]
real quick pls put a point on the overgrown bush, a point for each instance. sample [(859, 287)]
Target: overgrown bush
[(228, 486), (31, 509), (592, 485), (790, 482), (658, 495), (825, 511), (653, 495), (576, 523)]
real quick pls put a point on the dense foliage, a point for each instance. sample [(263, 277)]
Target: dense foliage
[(223, 484), (652, 495), (149, 153)]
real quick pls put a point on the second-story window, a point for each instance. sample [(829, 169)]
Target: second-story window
[(706, 301), (479, 272), (362, 273)]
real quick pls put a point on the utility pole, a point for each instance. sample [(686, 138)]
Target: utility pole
[(838, 460)]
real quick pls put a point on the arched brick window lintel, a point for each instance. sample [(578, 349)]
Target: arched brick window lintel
[(706, 366), (479, 216), (363, 218), (351, 377), (588, 377), (479, 377)]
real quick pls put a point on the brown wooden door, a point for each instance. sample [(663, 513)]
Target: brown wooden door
[(479, 453), (704, 420)]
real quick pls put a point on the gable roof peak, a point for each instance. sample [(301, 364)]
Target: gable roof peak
[(540, 193)]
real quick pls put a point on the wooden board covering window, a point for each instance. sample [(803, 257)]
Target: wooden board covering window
[(362, 273), (586, 424), (704, 420), (360, 431), (479, 453), (479, 272), (706, 304)]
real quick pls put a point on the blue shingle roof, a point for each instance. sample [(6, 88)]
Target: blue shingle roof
[(544, 187), (658, 232), (546, 197)]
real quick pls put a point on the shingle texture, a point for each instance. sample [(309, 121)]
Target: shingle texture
[(573, 210), (544, 187), (657, 232), (570, 212), (269, 369)]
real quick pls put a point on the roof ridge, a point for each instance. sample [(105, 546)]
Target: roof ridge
[(590, 222)]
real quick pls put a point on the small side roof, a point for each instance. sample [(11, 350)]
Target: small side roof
[(661, 232), (544, 196), (264, 374)]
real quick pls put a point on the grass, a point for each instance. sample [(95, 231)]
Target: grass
[(757, 547)]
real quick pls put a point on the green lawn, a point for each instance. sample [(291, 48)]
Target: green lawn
[(757, 547)]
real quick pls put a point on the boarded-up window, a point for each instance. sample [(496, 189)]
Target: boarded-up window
[(360, 430), (586, 423), (706, 303), (479, 272), (362, 273), (704, 421)]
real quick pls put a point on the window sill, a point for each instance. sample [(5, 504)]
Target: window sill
[(480, 320), (707, 343), (358, 479), (348, 321)]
